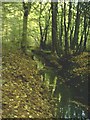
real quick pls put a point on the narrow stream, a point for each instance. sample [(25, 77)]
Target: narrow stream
[(64, 93)]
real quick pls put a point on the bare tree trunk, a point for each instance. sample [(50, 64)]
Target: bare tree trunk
[(61, 31), (79, 48), (46, 27), (26, 7), (77, 22), (69, 16), (65, 29), (85, 33), (54, 25), (43, 33), (71, 36)]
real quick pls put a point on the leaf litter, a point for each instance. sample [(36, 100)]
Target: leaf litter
[(24, 95)]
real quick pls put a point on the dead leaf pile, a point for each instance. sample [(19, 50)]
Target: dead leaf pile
[(24, 95), (83, 61)]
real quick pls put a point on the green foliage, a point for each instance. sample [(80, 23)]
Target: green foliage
[(13, 24)]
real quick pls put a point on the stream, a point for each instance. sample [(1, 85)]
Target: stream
[(71, 100)]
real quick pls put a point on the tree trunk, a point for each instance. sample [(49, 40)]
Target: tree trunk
[(79, 48), (61, 31), (65, 30), (71, 36), (26, 7), (77, 22), (85, 33), (43, 33), (46, 27), (54, 25), (69, 16)]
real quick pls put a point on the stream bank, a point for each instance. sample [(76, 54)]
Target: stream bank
[(67, 83)]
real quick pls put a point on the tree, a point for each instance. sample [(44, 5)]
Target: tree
[(44, 29), (66, 31), (84, 26), (86, 23), (61, 30), (54, 6), (76, 32), (26, 7)]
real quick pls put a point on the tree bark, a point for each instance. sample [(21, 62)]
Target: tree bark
[(65, 30), (61, 31), (54, 26), (76, 32), (85, 32), (26, 7), (43, 33)]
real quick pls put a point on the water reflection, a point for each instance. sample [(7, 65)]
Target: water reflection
[(63, 93)]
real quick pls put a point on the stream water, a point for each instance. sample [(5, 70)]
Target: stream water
[(71, 100)]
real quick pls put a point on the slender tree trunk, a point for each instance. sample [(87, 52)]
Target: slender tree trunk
[(85, 33), (26, 7), (43, 33), (46, 27), (24, 39), (77, 22), (61, 31), (54, 25), (69, 24), (65, 30), (71, 36), (79, 48), (69, 16)]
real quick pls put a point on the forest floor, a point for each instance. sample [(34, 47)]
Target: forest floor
[(24, 95)]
